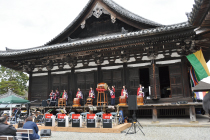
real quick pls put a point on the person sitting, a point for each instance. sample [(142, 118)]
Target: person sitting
[(6, 129), (79, 95), (29, 124), (92, 94), (65, 95)]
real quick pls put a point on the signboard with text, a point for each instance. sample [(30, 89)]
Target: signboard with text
[(48, 119), (61, 120), (91, 122), (76, 121), (107, 120)]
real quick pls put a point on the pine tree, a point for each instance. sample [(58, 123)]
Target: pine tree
[(14, 80)]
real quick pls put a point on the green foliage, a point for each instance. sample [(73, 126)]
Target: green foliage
[(14, 80)]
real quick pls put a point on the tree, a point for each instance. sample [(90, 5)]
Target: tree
[(14, 80)]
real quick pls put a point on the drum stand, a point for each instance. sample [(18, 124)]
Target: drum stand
[(102, 93), (134, 124)]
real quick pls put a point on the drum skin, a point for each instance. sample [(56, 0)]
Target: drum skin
[(122, 99), (76, 101), (140, 99), (102, 86)]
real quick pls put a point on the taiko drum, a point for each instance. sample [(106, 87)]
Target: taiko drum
[(76, 101), (140, 99), (122, 99), (102, 86)]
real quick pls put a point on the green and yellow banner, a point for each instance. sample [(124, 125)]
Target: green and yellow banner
[(199, 64)]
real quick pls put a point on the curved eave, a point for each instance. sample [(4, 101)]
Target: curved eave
[(199, 11), (121, 13), (165, 30)]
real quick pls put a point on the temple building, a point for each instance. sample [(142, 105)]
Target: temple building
[(107, 43)]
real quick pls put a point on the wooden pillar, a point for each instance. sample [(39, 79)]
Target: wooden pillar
[(154, 114), (49, 83), (186, 87), (68, 88), (125, 74), (72, 84), (192, 114), (99, 76), (30, 86)]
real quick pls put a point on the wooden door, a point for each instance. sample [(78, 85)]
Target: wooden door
[(133, 80), (176, 80), (107, 77), (39, 88), (154, 82), (85, 80)]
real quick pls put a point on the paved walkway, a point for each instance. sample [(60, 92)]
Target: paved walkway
[(151, 133), (201, 121)]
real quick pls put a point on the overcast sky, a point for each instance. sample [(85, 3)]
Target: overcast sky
[(32, 23)]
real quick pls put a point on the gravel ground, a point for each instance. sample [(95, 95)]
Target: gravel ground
[(151, 133)]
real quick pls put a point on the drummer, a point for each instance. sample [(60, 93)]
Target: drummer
[(65, 95), (92, 94), (112, 94), (53, 98), (124, 92), (139, 91), (79, 95)]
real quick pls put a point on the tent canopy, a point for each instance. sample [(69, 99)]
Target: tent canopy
[(13, 100)]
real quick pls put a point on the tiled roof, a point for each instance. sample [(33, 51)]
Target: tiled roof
[(122, 11), (198, 12), (129, 14), (98, 39)]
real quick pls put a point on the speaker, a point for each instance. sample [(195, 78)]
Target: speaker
[(45, 132), (44, 103), (132, 102)]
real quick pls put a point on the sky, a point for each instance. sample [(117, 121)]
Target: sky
[(25, 24)]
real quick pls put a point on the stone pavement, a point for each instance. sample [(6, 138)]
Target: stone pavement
[(201, 121)]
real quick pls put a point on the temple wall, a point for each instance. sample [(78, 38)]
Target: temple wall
[(118, 75)]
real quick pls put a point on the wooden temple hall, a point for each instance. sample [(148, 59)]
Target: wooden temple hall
[(107, 43)]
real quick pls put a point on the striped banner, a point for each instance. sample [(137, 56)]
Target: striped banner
[(193, 77)]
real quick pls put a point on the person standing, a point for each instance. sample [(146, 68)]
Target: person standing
[(124, 92), (92, 94), (139, 91), (65, 95), (57, 94), (79, 95), (112, 94), (29, 124)]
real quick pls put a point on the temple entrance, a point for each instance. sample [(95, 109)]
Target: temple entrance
[(144, 80), (164, 82)]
